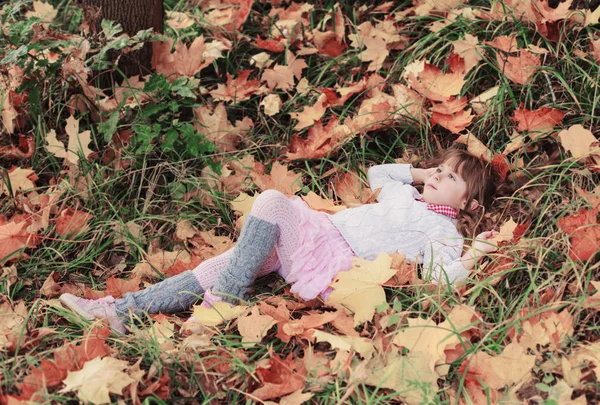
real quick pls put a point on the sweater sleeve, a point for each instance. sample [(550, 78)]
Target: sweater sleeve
[(392, 178), (442, 264)]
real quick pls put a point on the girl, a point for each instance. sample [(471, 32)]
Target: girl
[(308, 248)]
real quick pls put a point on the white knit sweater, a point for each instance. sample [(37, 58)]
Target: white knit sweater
[(397, 222)]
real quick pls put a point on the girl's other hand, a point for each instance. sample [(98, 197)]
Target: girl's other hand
[(484, 242)]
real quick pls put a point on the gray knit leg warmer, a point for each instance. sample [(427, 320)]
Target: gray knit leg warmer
[(251, 251), (174, 294)]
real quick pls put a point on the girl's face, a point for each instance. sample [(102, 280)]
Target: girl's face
[(445, 186)]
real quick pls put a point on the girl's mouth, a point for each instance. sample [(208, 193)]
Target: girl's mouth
[(433, 187)]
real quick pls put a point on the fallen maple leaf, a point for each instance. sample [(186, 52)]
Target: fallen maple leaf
[(584, 233), (253, 327), (215, 126), (317, 203), (12, 321), (97, 379), (242, 204), (13, 237), (469, 50), (18, 179), (376, 52), (481, 102), (236, 90), (454, 123), (228, 15), (309, 115), (178, 20), (185, 61), (577, 140), (218, 313), (541, 120), (434, 84), (280, 178), (279, 377), (44, 11), (321, 141), (475, 146), (519, 68), (271, 104), (72, 222), (279, 77), (359, 289)]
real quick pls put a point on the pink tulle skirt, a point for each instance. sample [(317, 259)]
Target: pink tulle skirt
[(322, 254)]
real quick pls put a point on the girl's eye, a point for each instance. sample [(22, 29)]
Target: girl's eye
[(452, 178), (438, 170)]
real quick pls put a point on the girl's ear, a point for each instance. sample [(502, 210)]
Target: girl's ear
[(473, 205)]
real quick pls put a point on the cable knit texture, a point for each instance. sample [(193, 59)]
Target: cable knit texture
[(174, 294), (252, 249), (397, 222)]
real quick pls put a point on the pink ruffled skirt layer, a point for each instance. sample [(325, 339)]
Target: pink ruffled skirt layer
[(322, 254)]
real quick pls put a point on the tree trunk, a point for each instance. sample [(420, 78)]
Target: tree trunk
[(133, 15)]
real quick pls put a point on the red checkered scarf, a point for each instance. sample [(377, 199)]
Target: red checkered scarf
[(440, 209)]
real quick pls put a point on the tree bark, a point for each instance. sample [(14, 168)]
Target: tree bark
[(133, 15)]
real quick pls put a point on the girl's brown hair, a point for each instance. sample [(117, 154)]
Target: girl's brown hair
[(482, 184)]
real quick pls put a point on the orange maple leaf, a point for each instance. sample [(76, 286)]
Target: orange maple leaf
[(520, 68), (435, 85), (72, 222), (454, 123), (288, 182), (279, 77), (14, 236), (320, 142), (542, 119), (309, 115), (184, 61), (584, 231), (236, 90)]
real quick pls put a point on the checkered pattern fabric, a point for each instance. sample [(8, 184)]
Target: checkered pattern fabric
[(441, 209)]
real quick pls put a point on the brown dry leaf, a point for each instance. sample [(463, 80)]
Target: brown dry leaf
[(449, 106), (279, 377), (504, 43), (359, 289), (295, 398), (280, 178), (228, 15), (469, 50), (520, 69), (279, 77), (12, 321), (593, 301), (184, 230), (427, 7), (185, 61), (309, 115), (272, 104), (561, 393), (44, 11), (512, 367), (178, 20), (159, 262), (547, 13), (506, 232), (238, 89), (376, 52), (349, 188), (475, 146), (317, 203), (409, 103), (584, 232), (215, 126), (481, 102), (253, 327), (97, 379), (373, 113), (72, 222), (549, 328), (577, 140), (320, 142), (19, 179)]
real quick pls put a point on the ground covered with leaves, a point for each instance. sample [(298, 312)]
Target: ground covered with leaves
[(108, 190)]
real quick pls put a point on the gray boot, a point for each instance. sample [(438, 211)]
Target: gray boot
[(253, 247), (174, 294)]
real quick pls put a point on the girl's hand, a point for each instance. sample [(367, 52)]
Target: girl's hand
[(484, 242), (420, 175)]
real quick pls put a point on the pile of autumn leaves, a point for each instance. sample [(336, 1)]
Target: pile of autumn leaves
[(371, 342)]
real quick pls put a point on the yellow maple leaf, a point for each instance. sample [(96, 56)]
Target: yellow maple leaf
[(280, 178), (215, 126), (375, 52), (44, 11), (360, 345), (309, 115), (475, 146), (279, 77), (408, 375), (18, 179), (219, 313), (577, 140), (243, 204), (359, 289), (78, 142), (97, 379)]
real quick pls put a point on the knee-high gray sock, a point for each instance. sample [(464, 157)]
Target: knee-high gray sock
[(174, 294), (251, 251)]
